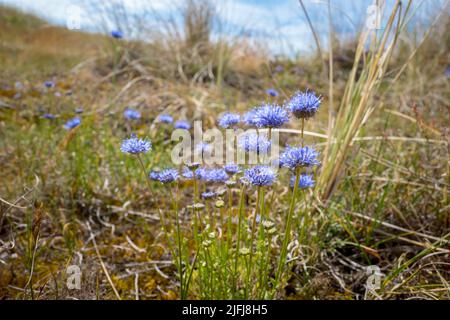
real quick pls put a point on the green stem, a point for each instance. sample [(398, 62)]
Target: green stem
[(287, 230), (238, 240), (258, 200), (180, 253)]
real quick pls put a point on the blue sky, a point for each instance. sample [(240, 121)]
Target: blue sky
[(280, 24)]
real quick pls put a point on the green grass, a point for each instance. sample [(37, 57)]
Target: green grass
[(387, 205)]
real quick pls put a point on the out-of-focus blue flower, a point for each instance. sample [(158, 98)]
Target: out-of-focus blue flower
[(187, 173), (260, 176), (201, 173), (134, 145), (272, 92), (252, 142), (49, 84), (181, 124), (216, 175), (279, 68), (154, 175), (228, 120), (72, 123), (294, 157), (304, 104), (58, 94), (203, 148), (48, 116), (131, 114), (208, 195), (168, 176), (165, 118), (79, 110), (305, 181), (269, 116), (232, 168), (447, 72), (249, 118), (117, 34)]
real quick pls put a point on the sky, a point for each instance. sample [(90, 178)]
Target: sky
[(279, 24)]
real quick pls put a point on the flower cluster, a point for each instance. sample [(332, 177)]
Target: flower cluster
[(304, 104), (134, 145), (267, 116), (305, 181), (295, 157), (252, 142), (165, 118), (182, 124), (228, 120), (72, 123), (132, 114), (260, 176)]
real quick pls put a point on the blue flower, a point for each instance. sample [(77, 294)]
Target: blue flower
[(216, 175), (154, 175), (181, 124), (134, 145), (165, 118), (203, 148), (168, 176), (269, 116), (279, 68), (229, 119), (131, 114), (232, 168), (208, 195), (201, 173), (252, 142), (72, 123), (49, 84), (294, 157), (117, 34), (305, 181), (249, 117), (272, 92), (304, 104), (260, 176), (79, 110), (48, 116), (187, 174)]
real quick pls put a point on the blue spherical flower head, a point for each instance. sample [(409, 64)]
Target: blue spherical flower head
[(305, 181), (201, 173), (72, 123), (48, 116), (208, 195), (181, 124), (134, 145), (232, 168), (295, 157), (229, 120), (154, 175), (249, 118), (187, 174), (165, 118), (168, 176), (261, 176), (304, 104), (117, 34), (203, 148), (270, 116), (49, 84), (252, 142), (272, 92), (216, 175), (131, 114)]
